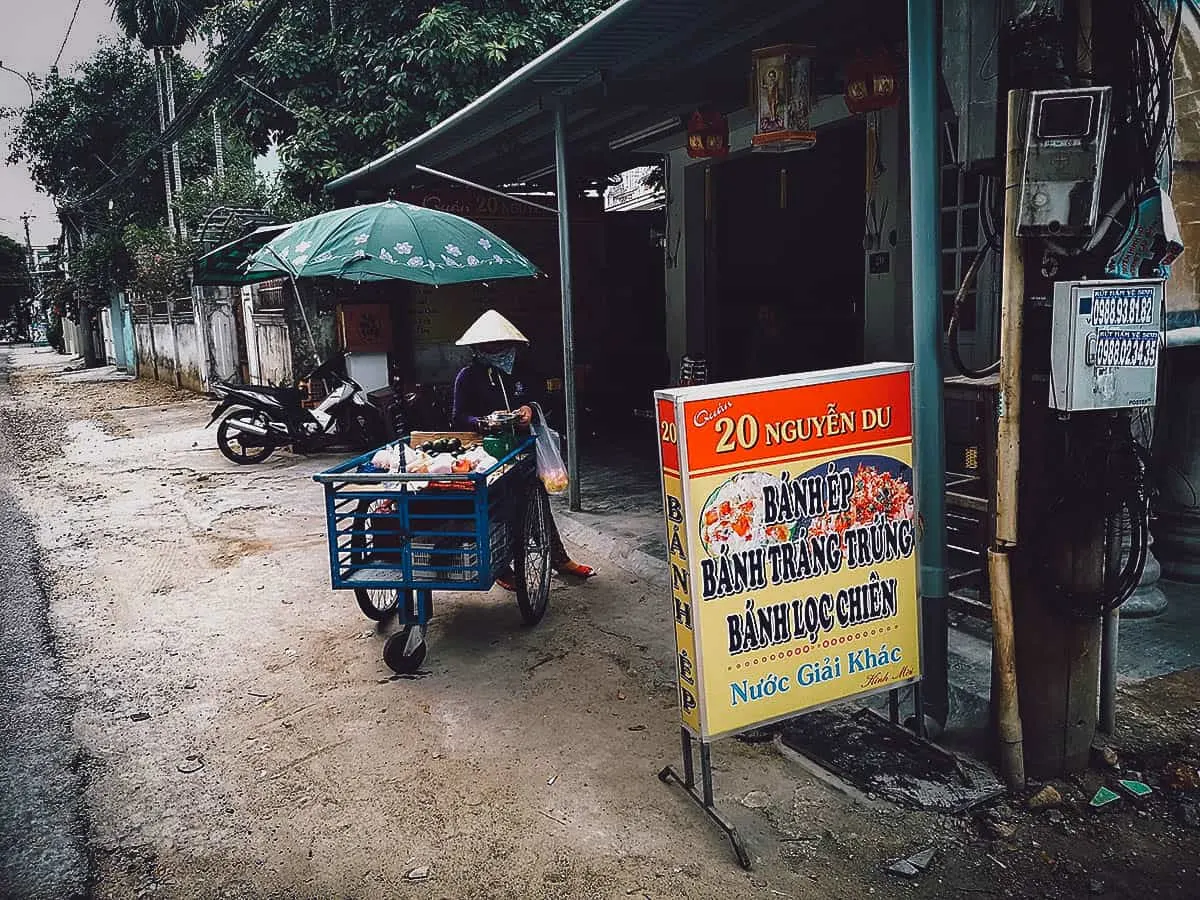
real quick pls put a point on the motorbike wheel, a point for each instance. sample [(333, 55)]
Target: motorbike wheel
[(363, 431), (239, 447)]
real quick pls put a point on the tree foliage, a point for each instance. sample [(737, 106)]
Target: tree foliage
[(358, 79), (88, 124), (85, 125), (16, 286), (160, 23), (159, 262)]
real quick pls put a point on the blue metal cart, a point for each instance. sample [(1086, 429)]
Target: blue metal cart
[(394, 538)]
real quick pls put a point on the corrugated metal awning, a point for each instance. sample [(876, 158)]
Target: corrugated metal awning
[(227, 264), (640, 63)]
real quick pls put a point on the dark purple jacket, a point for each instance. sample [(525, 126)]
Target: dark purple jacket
[(477, 393)]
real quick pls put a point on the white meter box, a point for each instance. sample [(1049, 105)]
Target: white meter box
[(1105, 342)]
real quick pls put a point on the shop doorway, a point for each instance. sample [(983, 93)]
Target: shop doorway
[(786, 257)]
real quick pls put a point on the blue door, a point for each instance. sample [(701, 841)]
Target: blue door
[(127, 346)]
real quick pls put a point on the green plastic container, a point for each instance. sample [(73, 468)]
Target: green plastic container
[(500, 445)]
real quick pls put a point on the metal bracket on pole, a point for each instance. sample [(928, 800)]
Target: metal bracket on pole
[(705, 799)]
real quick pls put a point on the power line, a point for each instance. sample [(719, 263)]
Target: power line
[(70, 25), (212, 84)]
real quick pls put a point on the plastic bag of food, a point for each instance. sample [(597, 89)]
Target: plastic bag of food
[(481, 460), (386, 459), (550, 465), (442, 464)]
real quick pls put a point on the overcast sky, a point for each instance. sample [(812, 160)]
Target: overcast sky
[(29, 42)]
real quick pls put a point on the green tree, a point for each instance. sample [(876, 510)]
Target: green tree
[(159, 23), (88, 125), (16, 287), (349, 81)]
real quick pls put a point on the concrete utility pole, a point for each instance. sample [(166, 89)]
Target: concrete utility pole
[(32, 266), (166, 155), (1057, 652)]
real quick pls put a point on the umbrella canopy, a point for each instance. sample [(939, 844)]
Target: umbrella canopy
[(390, 241)]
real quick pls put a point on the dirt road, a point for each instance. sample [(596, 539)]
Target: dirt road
[(244, 739), (43, 837)]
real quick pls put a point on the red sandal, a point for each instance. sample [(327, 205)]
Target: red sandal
[(508, 582), (578, 570)]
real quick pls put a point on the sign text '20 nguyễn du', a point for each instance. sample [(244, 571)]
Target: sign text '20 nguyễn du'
[(796, 552)]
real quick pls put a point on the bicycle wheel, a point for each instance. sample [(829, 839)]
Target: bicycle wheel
[(531, 554), (376, 603)]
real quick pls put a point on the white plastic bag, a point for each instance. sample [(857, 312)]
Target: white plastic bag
[(550, 466)]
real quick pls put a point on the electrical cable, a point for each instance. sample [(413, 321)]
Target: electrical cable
[(211, 85), (70, 25), (1110, 483), (956, 315)]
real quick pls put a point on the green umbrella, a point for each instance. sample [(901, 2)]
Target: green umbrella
[(390, 240)]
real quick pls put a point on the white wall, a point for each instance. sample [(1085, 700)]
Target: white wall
[(887, 322)]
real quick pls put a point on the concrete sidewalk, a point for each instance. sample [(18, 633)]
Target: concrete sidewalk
[(622, 519)]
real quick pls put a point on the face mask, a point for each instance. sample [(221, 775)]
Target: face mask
[(503, 360)]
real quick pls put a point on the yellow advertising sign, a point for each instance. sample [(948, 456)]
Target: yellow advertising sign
[(791, 525), (681, 599)]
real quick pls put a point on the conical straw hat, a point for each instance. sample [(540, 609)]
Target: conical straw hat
[(492, 328)]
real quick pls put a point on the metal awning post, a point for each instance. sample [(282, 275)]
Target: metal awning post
[(930, 423), (564, 267)]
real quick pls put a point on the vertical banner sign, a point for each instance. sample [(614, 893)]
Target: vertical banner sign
[(791, 530), (677, 540)]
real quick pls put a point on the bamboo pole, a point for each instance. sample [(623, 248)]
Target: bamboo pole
[(1008, 457)]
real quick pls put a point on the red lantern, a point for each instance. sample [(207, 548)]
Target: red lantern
[(708, 135), (871, 83)]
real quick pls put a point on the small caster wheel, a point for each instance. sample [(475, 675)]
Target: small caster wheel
[(404, 651)]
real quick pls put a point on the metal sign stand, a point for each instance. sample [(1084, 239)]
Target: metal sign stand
[(704, 800), (703, 797)]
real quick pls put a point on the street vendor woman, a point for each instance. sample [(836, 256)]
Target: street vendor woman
[(486, 386)]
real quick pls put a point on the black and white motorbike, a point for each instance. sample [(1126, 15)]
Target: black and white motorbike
[(262, 419)]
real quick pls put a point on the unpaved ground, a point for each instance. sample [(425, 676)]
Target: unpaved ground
[(244, 738)]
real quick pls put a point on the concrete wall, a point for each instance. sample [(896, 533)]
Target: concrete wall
[(168, 349), (887, 319), (273, 346)]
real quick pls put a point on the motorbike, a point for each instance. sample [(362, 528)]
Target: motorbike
[(263, 418)]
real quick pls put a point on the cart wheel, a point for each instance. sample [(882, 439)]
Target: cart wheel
[(531, 555), (376, 603), (404, 651)]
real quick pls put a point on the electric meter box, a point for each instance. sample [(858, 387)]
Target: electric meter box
[(1064, 161), (1105, 342)]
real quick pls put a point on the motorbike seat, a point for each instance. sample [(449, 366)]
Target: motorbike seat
[(285, 396)]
